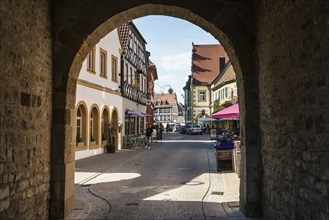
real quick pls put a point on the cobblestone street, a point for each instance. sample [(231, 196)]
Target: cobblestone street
[(176, 179)]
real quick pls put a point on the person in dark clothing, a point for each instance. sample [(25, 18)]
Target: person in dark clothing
[(149, 131)]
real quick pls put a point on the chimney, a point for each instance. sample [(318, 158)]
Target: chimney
[(221, 64)]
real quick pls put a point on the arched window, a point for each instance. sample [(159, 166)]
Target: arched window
[(79, 122), (94, 126), (81, 135), (91, 126), (104, 126)]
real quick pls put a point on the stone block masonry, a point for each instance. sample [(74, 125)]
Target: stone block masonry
[(278, 48), (25, 109), (294, 133)]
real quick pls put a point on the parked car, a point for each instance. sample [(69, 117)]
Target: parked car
[(170, 127), (183, 129), (177, 127), (194, 129)]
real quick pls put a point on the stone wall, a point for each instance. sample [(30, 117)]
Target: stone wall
[(292, 66), (293, 85), (76, 28), (25, 109)]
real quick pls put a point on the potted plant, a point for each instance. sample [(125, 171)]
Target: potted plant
[(79, 140), (92, 140), (110, 148)]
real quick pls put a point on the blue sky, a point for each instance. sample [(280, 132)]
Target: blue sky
[(169, 40)]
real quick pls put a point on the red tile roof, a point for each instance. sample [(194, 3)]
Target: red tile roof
[(205, 63), (169, 98)]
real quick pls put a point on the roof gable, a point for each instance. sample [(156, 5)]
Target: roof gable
[(205, 63), (227, 76), (165, 99)]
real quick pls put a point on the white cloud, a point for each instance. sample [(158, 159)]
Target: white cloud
[(180, 61), (173, 71), (176, 80)]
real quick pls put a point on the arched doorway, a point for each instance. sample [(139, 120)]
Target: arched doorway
[(236, 35), (115, 128), (105, 126)]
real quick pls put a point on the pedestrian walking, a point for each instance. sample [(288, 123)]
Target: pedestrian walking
[(149, 131)]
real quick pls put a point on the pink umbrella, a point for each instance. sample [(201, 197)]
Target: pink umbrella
[(229, 112)]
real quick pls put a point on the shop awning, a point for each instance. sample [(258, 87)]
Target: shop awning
[(133, 113), (231, 112), (136, 114), (206, 119), (146, 115)]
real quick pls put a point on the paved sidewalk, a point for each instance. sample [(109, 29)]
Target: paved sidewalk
[(220, 201), (87, 169)]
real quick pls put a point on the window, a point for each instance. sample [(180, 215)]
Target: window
[(81, 119), (91, 60), (91, 125), (132, 125), (126, 73), (103, 62), (202, 96), (79, 122), (104, 125), (114, 65), (141, 125), (126, 124), (130, 76)]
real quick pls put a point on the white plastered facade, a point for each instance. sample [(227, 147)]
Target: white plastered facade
[(199, 105), (101, 92)]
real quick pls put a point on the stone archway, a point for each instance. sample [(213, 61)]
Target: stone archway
[(78, 31), (279, 50)]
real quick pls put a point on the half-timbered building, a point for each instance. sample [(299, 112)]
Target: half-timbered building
[(134, 60)]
